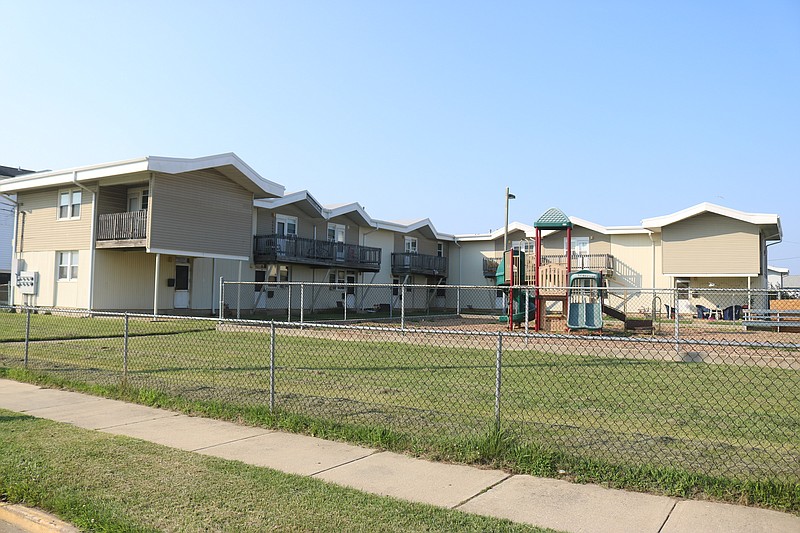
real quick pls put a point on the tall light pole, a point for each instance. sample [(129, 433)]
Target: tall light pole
[(509, 196)]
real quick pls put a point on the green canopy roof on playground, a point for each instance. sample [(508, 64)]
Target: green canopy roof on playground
[(553, 219)]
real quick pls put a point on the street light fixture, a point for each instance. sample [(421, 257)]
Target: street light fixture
[(509, 196)]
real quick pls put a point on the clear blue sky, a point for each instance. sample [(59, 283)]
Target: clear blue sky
[(611, 111)]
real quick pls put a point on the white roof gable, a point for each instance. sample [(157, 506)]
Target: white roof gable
[(228, 164), (760, 219)]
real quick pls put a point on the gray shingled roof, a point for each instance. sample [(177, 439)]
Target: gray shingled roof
[(11, 172)]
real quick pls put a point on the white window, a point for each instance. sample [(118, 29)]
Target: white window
[(286, 226), (580, 245), (69, 204), (67, 265), (525, 245), (440, 249), (138, 199), (336, 232), (411, 245)]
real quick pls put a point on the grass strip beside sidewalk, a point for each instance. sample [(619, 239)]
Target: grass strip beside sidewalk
[(102, 482)]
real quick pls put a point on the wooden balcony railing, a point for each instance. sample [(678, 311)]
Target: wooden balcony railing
[(490, 267), (409, 263), (597, 262), (278, 248), (122, 226)]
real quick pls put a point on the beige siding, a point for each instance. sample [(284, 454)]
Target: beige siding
[(124, 280), (51, 292), (633, 260), (710, 244), (41, 230), (200, 213), (554, 244)]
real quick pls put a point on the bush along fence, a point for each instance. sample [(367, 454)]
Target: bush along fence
[(722, 402)]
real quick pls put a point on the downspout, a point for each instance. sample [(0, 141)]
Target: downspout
[(653, 248), (14, 256), (92, 243), (766, 260)]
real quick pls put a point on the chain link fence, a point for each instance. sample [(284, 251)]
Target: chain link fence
[(715, 393)]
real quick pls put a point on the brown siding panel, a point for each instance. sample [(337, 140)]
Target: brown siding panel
[(710, 244), (113, 199), (200, 212), (41, 229)]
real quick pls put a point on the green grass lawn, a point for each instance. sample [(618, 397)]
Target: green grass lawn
[(45, 326), (680, 428), (102, 482)]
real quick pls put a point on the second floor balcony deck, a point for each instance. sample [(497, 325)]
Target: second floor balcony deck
[(411, 263), (122, 230), (297, 250), (603, 263)]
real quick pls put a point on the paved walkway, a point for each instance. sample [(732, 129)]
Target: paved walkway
[(539, 501)]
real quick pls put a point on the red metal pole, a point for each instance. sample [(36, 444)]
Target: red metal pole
[(537, 322), (569, 269)]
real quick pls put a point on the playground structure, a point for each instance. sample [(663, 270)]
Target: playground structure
[(510, 273), (578, 295)]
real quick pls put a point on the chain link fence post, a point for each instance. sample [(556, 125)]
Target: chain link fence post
[(458, 300), (271, 366), (676, 317), (302, 302), (403, 307), (289, 305), (497, 380), (125, 350), (221, 297), (27, 334)]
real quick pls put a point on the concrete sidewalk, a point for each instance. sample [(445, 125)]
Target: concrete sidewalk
[(543, 502)]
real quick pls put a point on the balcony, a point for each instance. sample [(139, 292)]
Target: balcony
[(280, 249), (410, 263), (603, 263), (490, 267), (122, 230)]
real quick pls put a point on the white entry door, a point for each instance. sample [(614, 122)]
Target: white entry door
[(182, 280)]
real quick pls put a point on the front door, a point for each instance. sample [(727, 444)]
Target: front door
[(182, 279)]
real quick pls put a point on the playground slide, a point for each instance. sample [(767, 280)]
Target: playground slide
[(585, 316), (519, 309)]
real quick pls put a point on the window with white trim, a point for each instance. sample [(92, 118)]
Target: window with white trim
[(336, 232), (286, 226), (138, 199), (440, 249), (524, 245), (69, 204), (580, 245), (67, 265), (410, 245)]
